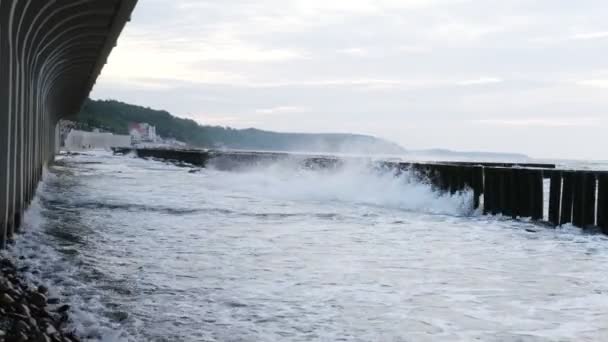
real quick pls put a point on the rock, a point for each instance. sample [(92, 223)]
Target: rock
[(38, 312), (21, 337), (43, 338), (6, 300), (4, 262), (63, 308), (42, 289), (50, 330), (25, 310), (72, 336), (6, 286), (22, 326), (38, 299), (33, 324), (8, 270), (18, 316), (63, 319), (53, 301)]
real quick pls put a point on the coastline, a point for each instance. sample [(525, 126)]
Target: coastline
[(26, 311)]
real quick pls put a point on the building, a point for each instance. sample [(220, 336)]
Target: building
[(142, 132), (81, 140)]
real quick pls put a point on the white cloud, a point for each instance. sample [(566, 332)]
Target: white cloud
[(590, 35), (540, 122), (223, 120), (280, 110), (394, 63), (596, 83), (481, 81), (359, 52)]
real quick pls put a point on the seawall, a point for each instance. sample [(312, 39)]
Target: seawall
[(51, 53)]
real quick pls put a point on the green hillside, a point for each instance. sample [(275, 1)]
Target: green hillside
[(114, 116)]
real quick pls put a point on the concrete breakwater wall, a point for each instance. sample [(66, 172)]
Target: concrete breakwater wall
[(516, 190), (51, 53)]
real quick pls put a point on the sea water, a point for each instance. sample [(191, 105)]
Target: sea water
[(149, 251)]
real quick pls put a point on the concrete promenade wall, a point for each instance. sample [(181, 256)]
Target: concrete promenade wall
[(51, 53)]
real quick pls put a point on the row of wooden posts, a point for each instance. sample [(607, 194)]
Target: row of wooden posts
[(514, 190), (578, 197)]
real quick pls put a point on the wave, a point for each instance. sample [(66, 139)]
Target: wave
[(353, 182)]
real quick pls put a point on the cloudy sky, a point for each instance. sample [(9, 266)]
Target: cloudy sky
[(525, 76)]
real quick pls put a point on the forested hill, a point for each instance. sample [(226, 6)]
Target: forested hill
[(114, 116)]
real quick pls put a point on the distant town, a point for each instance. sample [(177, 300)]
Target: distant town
[(141, 134)]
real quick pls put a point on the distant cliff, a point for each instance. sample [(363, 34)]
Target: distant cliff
[(114, 116)]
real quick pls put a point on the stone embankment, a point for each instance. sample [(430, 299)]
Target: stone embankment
[(26, 311)]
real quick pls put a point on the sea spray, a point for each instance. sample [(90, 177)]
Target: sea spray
[(146, 251), (360, 182)]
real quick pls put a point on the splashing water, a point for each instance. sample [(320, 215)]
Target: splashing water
[(146, 251)]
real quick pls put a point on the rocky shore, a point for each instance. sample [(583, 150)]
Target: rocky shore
[(26, 311)]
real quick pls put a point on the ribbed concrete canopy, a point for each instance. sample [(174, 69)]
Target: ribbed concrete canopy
[(51, 53)]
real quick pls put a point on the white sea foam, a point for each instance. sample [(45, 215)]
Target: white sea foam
[(47, 265), (354, 182), (146, 251)]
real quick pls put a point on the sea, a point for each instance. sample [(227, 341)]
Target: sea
[(145, 250)]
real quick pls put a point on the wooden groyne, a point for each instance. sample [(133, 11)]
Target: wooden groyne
[(516, 190)]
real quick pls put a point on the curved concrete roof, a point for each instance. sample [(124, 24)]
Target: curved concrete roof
[(51, 53), (62, 45)]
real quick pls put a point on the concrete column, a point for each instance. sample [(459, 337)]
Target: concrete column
[(50, 54), (5, 120)]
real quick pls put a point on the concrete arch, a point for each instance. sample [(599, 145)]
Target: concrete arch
[(51, 53)]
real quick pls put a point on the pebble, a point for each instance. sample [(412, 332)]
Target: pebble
[(38, 299), (50, 330), (6, 299), (53, 301), (22, 326), (43, 338), (42, 289), (24, 309), (63, 308), (24, 315)]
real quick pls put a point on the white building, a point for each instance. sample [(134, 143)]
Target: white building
[(81, 140), (142, 132)]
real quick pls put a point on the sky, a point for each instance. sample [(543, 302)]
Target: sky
[(526, 76)]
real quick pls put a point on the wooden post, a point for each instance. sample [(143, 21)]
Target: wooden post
[(536, 194), (477, 185), (507, 192), (524, 207), (584, 199), (555, 194), (433, 176), (602, 205), (445, 178), (460, 178), (495, 188), (567, 192), (488, 191), (514, 201), (578, 200), (589, 199)]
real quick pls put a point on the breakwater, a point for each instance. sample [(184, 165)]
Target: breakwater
[(517, 190), (51, 53)]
